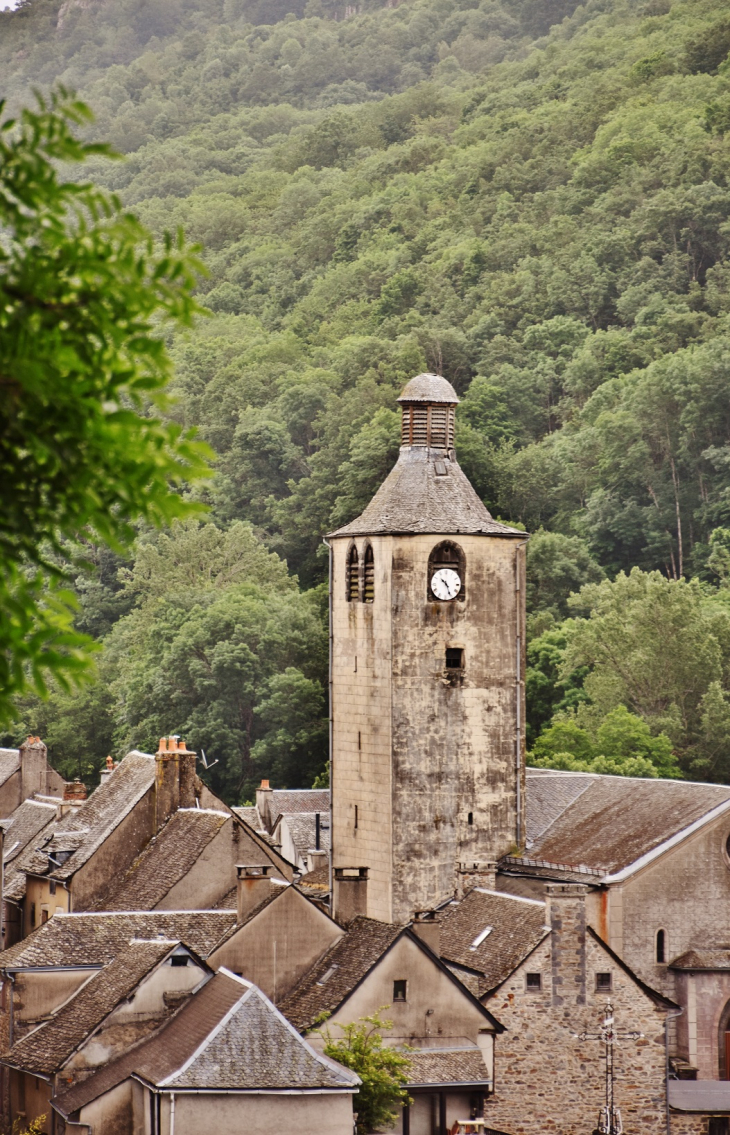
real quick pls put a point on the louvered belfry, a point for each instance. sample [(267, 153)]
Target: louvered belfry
[(427, 688)]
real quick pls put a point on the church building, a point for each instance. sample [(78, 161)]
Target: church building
[(427, 679)]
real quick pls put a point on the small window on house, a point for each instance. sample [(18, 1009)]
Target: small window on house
[(470, 818), (326, 976), (357, 815), (533, 982), (454, 658), (369, 575), (603, 983), (400, 989), (660, 947), (718, 1125), (179, 960), (44, 916), (52, 886), (353, 576), (32, 914), (481, 937)]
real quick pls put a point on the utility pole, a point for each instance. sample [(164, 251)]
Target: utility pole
[(609, 1118)]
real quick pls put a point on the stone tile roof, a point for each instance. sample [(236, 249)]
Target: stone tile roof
[(9, 763), (448, 1066), (228, 1035), (166, 860), (96, 939), (250, 815), (47, 1048), (25, 824), (712, 959), (517, 926), (429, 388), (302, 827), (337, 973), (413, 498), (300, 800), (612, 821), (86, 828)]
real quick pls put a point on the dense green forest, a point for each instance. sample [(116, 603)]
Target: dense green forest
[(527, 196)]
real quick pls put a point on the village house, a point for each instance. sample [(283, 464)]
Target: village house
[(228, 1061), (304, 838), (380, 967), (25, 772)]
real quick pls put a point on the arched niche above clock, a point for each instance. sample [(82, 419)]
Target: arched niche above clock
[(446, 558)]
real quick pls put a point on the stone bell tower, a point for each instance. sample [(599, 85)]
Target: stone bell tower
[(427, 665)]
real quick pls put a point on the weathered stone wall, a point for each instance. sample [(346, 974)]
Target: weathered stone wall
[(705, 998), (546, 1079), (427, 757)]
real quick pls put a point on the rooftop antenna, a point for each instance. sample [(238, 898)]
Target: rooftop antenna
[(203, 758)]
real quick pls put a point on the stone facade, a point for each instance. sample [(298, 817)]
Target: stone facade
[(425, 773), (547, 1078)]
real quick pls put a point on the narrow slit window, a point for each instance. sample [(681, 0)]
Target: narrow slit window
[(661, 949), (356, 815), (603, 983), (400, 990), (533, 982), (470, 818), (369, 575), (353, 576), (454, 658)]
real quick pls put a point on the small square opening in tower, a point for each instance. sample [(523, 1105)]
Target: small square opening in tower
[(454, 658), (603, 983)]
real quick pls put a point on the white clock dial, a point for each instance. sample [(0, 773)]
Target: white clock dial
[(446, 583)]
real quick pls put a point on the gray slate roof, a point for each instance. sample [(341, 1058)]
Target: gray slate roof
[(337, 973), (707, 959), (47, 1048), (29, 826), (250, 815), (518, 925), (166, 860), (300, 800), (9, 763), (96, 939), (605, 823), (227, 1036), (413, 498), (447, 1066), (429, 388), (86, 828), (302, 828)]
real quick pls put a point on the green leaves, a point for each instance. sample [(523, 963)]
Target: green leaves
[(83, 450), (382, 1069)]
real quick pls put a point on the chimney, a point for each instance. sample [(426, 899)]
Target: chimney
[(351, 892), (264, 803), (107, 770), (427, 925), (173, 780), (254, 885), (567, 913), (33, 767), (74, 795), (476, 874), (316, 857)]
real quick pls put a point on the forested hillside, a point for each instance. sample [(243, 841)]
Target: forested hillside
[(531, 199)]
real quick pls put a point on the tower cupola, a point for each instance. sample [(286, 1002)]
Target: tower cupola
[(428, 403)]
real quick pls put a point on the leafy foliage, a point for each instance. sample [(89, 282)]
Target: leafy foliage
[(383, 1070), (81, 288)]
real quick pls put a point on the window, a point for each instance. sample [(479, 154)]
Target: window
[(719, 1125), (357, 815), (603, 983), (52, 886), (179, 960), (454, 658), (533, 982), (44, 915), (470, 818), (32, 914), (481, 937), (400, 988), (369, 590), (353, 576), (661, 950)]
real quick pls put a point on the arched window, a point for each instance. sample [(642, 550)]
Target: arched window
[(661, 947), (447, 555), (353, 576), (369, 575)]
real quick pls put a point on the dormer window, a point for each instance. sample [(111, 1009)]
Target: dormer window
[(369, 575), (353, 576)]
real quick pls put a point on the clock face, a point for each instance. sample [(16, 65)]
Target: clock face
[(446, 583)]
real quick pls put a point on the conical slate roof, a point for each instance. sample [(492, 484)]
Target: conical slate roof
[(417, 496)]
